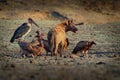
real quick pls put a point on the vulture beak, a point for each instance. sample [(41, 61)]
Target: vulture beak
[(94, 43), (30, 20)]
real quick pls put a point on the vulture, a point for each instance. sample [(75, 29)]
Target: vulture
[(35, 47), (83, 47), (23, 30)]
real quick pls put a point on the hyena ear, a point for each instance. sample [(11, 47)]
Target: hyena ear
[(66, 23), (70, 21)]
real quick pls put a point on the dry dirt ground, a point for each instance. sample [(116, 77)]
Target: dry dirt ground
[(103, 62), (103, 27)]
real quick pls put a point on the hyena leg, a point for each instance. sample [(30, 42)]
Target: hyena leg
[(52, 50), (56, 50), (61, 49)]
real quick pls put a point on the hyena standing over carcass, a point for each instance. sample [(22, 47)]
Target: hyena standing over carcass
[(47, 46), (57, 35)]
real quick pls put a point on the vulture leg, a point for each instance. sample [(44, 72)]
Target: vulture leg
[(86, 53)]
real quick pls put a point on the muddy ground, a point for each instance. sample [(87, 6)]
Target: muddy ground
[(103, 62)]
